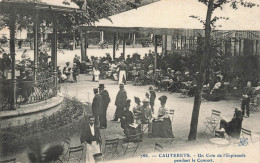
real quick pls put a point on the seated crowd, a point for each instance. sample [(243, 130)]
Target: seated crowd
[(166, 77)]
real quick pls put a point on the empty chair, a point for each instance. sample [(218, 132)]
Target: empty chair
[(253, 105), (246, 133), (212, 122), (111, 146), (75, 153), (157, 147), (13, 160), (171, 114), (132, 143)]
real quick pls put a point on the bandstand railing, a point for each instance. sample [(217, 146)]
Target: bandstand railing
[(29, 92)]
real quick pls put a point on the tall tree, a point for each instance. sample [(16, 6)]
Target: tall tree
[(212, 5)]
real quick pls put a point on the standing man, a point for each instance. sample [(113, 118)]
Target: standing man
[(120, 100), (152, 97), (122, 72), (105, 101), (97, 106), (248, 93), (91, 137)]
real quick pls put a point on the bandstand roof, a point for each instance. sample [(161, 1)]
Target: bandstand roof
[(55, 5), (174, 17)]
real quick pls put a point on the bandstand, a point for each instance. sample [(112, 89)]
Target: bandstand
[(18, 91)]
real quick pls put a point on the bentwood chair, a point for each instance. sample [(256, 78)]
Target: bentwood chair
[(75, 153), (13, 160), (65, 144), (132, 143), (246, 133), (157, 147), (111, 146), (212, 122), (171, 114), (253, 105)]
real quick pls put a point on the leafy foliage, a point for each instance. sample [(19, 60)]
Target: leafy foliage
[(218, 4), (54, 127)]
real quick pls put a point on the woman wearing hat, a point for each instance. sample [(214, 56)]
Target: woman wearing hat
[(162, 126), (127, 115), (137, 107), (128, 119)]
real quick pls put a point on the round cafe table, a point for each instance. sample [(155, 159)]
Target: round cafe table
[(219, 141)]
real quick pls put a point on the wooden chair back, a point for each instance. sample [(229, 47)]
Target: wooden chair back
[(158, 147), (13, 160)]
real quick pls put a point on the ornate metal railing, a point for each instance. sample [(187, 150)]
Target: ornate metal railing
[(29, 92)]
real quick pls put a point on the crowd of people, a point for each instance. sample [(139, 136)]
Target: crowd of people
[(132, 118), (140, 114), (141, 71)]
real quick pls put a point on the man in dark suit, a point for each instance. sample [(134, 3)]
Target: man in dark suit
[(248, 93), (91, 137), (105, 101), (97, 106), (233, 127), (120, 99)]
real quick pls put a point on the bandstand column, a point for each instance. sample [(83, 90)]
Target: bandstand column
[(86, 45), (35, 39), (54, 49), (155, 51), (82, 44), (12, 52), (124, 45), (133, 40), (114, 46)]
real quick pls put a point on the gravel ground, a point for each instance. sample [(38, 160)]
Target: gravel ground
[(181, 123)]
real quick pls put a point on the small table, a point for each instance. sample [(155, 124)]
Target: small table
[(219, 141)]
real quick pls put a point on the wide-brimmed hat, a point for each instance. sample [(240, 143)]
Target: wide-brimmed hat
[(162, 98), (101, 86), (127, 102), (150, 88), (121, 84)]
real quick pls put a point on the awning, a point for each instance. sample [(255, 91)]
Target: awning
[(55, 5), (174, 17)]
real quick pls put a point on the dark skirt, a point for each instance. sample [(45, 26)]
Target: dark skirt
[(162, 129)]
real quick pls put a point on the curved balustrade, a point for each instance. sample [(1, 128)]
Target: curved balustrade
[(29, 92)]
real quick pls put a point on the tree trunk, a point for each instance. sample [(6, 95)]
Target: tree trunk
[(197, 98)]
